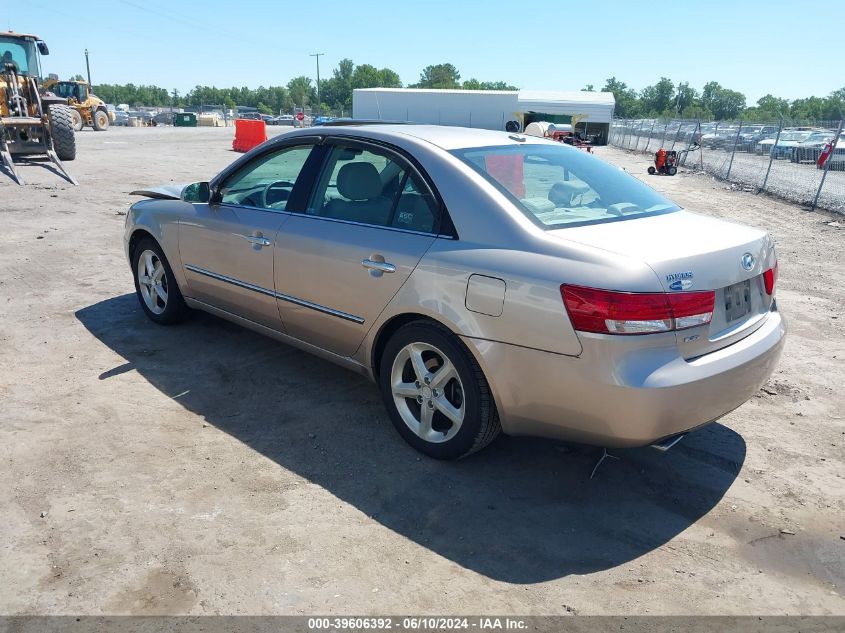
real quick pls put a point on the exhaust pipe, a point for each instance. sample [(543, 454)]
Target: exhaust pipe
[(668, 442)]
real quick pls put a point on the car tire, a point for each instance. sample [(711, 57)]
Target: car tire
[(101, 120), (156, 287), (445, 415), (61, 129)]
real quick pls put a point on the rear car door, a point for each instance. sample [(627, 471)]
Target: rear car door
[(227, 246), (370, 219)]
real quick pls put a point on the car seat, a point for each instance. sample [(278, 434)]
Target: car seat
[(361, 188), (413, 213), (567, 193)]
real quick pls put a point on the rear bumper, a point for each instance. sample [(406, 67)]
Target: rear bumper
[(625, 391)]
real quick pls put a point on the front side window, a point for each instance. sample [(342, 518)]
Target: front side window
[(22, 54), (63, 90), (558, 186), (267, 182), (69, 90), (372, 187)]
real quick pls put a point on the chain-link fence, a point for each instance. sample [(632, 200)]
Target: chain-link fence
[(799, 161)]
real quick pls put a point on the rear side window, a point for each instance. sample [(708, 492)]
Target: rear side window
[(558, 186), (368, 186)]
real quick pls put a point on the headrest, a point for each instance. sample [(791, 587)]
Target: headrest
[(359, 181), (563, 193)]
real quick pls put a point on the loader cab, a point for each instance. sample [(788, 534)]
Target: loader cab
[(25, 51), (71, 90)]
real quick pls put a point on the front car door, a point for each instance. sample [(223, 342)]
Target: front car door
[(227, 246), (369, 221)]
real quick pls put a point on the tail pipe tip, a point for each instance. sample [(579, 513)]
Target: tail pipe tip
[(668, 442)]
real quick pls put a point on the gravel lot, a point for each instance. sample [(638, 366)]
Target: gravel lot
[(204, 469)]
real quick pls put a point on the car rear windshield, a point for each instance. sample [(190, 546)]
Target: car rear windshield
[(558, 186)]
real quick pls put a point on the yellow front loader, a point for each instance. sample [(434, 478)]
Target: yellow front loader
[(88, 108), (31, 124)]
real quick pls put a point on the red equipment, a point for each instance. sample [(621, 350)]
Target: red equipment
[(571, 139), (825, 154), (665, 162)]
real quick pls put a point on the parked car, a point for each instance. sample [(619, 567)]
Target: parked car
[(121, 118), (485, 281), (781, 146), (321, 120), (704, 128), (164, 118), (810, 148), (750, 136), (284, 119), (727, 136), (718, 138)]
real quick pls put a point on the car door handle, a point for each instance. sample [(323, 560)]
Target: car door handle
[(257, 239), (383, 267)]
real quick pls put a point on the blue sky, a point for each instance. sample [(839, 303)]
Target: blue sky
[(753, 46)]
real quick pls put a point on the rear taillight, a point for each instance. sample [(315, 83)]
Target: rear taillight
[(613, 312), (770, 278)]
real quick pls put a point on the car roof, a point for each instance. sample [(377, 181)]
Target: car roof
[(443, 136)]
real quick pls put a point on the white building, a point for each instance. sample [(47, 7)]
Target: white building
[(489, 109)]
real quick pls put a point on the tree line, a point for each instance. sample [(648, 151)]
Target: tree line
[(335, 92), (667, 100), (662, 99)]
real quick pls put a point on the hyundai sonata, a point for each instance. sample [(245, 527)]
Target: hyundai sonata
[(485, 281)]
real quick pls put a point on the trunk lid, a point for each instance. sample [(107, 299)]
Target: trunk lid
[(691, 252)]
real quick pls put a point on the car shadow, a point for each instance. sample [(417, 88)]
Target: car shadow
[(521, 511)]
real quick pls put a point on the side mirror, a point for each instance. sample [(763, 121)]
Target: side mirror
[(42, 47), (215, 197), (196, 192)]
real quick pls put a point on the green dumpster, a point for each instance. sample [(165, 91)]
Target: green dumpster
[(185, 119)]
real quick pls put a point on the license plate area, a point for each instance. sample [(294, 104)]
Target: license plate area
[(737, 300)]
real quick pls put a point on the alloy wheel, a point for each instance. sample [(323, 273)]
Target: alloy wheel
[(428, 392), (152, 281)]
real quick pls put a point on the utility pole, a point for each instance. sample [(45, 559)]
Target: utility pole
[(317, 55), (88, 67)]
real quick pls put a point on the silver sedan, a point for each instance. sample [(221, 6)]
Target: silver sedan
[(486, 282)]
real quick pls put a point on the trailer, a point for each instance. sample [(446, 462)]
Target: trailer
[(507, 110)]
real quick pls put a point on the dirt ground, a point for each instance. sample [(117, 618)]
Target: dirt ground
[(204, 469)]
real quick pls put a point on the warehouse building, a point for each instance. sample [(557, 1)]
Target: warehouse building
[(512, 110)]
